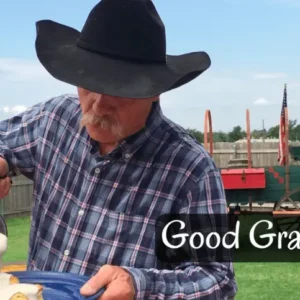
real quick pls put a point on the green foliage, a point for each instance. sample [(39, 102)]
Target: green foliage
[(237, 133)]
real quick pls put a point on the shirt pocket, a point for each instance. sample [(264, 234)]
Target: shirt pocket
[(116, 238)]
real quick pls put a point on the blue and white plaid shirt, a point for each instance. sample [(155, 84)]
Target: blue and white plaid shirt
[(90, 210)]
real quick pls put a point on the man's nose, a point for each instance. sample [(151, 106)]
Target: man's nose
[(101, 105)]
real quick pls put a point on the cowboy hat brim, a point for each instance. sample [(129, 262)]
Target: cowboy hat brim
[(57, 51)]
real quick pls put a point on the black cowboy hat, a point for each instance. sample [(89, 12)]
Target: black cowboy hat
[(121, 51)]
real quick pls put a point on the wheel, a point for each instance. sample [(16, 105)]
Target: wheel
[(232, 217), (288, 223)]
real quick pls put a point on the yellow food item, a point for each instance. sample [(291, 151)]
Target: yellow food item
[(21, 291), (7, 279)]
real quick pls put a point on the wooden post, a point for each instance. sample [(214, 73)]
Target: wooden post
[(249, 149), (248, 139), (208, 122)]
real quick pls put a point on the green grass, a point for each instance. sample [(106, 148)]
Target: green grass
[(265, 281), (256, 281), (18, 238)]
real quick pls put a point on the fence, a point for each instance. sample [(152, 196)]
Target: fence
[(19, 199), (263, 154)]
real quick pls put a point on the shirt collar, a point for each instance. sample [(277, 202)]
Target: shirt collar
[(132, 143)]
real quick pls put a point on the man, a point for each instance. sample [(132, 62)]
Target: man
[(107, 163)]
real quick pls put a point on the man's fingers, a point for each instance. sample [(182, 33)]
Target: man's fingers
[(104, 276), (5, 185), (8, 185), (117, 291), (116, 281)]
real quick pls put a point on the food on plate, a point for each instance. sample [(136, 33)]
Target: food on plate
[(7, 279), (21, 291), (10, 286)]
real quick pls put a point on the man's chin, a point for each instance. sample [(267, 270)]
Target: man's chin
[(93, 127), (96, 128)]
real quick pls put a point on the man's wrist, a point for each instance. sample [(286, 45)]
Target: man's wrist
[(139, 282)]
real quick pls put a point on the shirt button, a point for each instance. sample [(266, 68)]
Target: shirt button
[(81, 212), (67, 252), (97, 170)]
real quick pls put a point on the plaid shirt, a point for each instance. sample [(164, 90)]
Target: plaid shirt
[(91, 210)]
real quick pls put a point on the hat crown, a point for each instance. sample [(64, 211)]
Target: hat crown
[(128, 29)]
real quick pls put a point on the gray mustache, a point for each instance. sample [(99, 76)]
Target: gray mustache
[(103, 122), (95, 120)]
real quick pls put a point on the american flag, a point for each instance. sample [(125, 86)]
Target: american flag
[(281, 150)]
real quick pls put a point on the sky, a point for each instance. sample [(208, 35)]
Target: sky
[(253, 45)]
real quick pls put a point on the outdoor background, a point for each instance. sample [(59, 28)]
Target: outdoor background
[(254, 48)]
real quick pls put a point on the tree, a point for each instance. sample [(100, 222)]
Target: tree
[(236, 134), (258, 133), (198, 135), (273, 132), (220, 136)]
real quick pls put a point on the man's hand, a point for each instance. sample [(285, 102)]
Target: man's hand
[(115, 280), (5, 183)]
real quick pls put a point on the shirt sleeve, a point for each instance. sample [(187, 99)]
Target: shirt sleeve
[(213, 280), (19, 137)]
